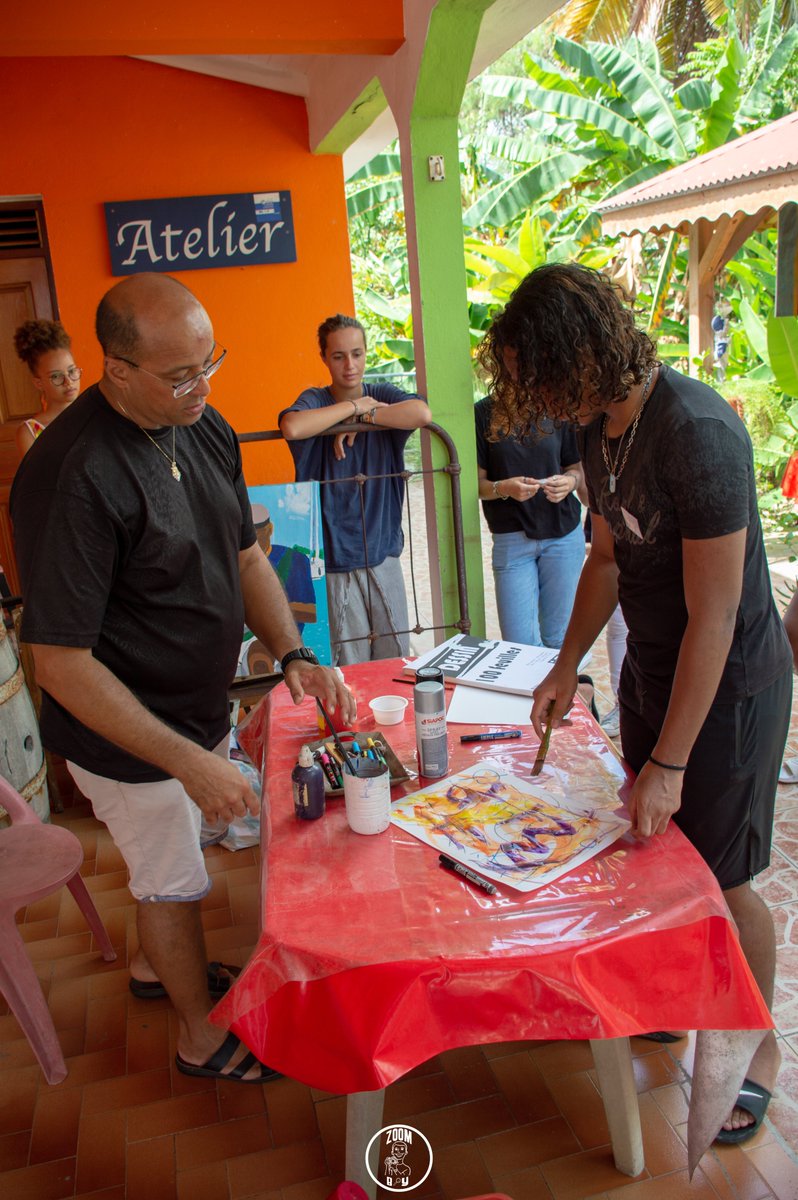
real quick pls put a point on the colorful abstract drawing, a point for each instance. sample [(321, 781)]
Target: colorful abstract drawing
[(507, 828), (287, 519)]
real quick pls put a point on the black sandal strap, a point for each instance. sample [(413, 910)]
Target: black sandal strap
[(240, 1069), (222, 1056)]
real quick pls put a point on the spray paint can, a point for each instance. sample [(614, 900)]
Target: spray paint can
[(429, 702), (307, 781)]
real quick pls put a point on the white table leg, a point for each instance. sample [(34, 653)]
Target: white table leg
[(363, 1119), (613, 1059)]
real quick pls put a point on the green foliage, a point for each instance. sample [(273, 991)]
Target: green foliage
[(782, 345), (555, 128)]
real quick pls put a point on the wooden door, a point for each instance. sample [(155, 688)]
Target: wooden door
[(24, 295)]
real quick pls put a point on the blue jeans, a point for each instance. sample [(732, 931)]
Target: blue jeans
[(536, 584)]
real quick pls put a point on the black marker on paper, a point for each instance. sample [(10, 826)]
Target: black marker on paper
[(449, 864), (502, 736)]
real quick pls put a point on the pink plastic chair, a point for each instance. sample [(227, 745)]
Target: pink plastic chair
[(35, 860)]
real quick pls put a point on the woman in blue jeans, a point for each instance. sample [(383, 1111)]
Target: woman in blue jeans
[(528, 491)]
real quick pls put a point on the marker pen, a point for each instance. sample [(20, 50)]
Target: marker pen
[(326, 767), (333, 753), (502, 736), (449, 864), (375, 747), (337, 771)]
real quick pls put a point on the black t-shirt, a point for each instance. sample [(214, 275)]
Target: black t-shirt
[(689, 474), (117, 556), (537, 456)]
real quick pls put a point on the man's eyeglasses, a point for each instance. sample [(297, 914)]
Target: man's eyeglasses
[(59, 378), (187, 385)]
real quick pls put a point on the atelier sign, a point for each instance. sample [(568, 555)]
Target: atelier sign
[(191, 233)]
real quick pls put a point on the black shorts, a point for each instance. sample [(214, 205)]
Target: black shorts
[(729, 790)]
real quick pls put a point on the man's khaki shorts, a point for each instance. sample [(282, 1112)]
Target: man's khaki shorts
[(156, 827)]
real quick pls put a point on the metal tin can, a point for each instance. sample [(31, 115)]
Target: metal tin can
[(429, 702)]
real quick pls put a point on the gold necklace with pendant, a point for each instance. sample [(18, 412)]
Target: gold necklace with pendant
[(176, 472)]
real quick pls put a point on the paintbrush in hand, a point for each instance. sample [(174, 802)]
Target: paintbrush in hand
[(543, 748), (344, 756)]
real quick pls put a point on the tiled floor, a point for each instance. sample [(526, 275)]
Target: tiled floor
[(525, 1119)]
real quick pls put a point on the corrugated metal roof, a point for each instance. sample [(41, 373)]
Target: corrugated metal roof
[(755, 171)]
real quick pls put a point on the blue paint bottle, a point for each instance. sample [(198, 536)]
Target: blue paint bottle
[(307, 780)]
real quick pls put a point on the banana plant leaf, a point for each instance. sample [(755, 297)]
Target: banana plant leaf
[(756, 330), (389, 163), (579, 58), (580, 110), (651, 97), (499, 254), (782, 344), (758, 100), (504, 203), (720, 116), (372, 195), (663, 282)]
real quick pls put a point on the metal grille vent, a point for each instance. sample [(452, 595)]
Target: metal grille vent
[(20, 229)]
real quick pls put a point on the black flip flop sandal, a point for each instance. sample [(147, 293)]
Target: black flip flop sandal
[(755, 1100), (588, 682), (666, 1039), (212, 1069), (218, 983)]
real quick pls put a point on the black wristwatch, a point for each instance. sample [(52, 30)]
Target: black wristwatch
[(302, 652)]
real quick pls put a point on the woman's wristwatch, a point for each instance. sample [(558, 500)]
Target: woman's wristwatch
[(496, 491), (368, 417)]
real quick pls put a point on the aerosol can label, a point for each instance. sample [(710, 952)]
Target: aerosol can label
[(433, 749)]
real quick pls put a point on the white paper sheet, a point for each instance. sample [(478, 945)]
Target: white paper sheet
[(469, 705)]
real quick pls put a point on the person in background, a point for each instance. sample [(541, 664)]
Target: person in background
[(615, 635), (46, 349), (528, 488), (705, 690), (363, 536), (615, 640), (139, 567)]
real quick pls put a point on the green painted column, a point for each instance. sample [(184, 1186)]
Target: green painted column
[(438, 284)]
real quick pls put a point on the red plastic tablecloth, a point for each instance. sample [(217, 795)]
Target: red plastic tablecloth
[(372, 959)]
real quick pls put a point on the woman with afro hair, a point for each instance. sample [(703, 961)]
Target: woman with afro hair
[(45, 348)]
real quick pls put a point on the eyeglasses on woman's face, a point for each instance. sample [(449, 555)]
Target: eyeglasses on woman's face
[(59, 378)]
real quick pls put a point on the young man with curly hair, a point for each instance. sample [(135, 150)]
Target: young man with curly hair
[(706, 684)]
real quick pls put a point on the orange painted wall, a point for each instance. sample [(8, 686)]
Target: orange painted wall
[(202, 27), (84, 131)]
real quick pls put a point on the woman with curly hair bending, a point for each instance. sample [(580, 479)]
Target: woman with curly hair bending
[(705, 687), (46, 349)]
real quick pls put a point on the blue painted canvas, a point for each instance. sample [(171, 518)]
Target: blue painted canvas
[(287, 520)]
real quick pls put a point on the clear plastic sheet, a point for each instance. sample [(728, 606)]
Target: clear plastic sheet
[(373, 959)]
